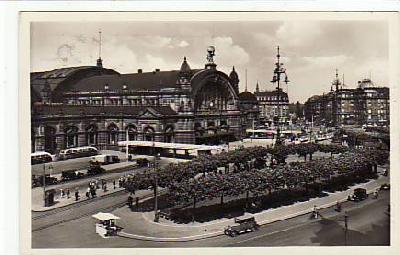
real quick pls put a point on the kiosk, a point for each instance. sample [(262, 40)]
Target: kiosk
[(105, 226)]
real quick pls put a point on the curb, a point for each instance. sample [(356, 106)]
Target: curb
[(75, 203), (219, 233), (170, 239)]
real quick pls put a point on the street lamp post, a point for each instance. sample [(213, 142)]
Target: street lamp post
[(127, 144), (278, 71), (44, 181), (156, 156), (346, 218)]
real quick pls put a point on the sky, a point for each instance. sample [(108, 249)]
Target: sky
[(310, 50)]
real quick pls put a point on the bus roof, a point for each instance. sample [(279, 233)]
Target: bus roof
[(178, 146), (40, 153)]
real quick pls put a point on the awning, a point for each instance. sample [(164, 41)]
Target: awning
[(105, 216), (177, 146)]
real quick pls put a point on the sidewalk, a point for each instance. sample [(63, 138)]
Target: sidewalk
[(141, 225), (113, 172)]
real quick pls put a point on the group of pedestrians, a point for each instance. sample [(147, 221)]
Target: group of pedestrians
[(123, 180), (67, 193), (91, 190)]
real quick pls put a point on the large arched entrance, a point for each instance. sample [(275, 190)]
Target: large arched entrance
[(215, 103)]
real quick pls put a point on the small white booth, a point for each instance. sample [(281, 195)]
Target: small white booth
[(106, 226)]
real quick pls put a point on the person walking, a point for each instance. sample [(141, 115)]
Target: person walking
[(76, 194), (68, 193), (114, 184), (130, 201), (88, 193)]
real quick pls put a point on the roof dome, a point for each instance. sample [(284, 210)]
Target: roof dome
[(233, 75), (247, 96), (366, 83), (185, 68)]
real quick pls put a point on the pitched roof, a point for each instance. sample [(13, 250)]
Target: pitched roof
[(148, 81)]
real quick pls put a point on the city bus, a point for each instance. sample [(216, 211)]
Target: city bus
[(41, 157), (77, 152), (260, 133)]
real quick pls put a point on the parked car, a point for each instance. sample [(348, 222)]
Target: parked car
[(385, 186), (142, 162), (37, 180), (95, 169), (359, 194), (71, 175), (242, 226)]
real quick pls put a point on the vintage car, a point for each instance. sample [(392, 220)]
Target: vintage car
[(242, 226), (385, 186), (359, 195)]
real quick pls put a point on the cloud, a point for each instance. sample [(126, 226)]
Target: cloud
[(183, 44), (229, 53), (64, 52), (299, 33), (331, 61)]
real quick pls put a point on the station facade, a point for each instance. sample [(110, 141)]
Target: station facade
[(92, 105)]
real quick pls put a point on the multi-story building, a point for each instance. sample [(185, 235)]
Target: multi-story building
[(365, 105), (272, 104), (91, 105)]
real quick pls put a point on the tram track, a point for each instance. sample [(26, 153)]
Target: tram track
[(73, 206), (82, 209)]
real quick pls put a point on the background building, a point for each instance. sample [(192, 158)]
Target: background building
[(367, 104), (272, 104)]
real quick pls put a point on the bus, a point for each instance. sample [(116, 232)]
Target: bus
[(261, 133), (104, 159), (77, 152), (41, 157)]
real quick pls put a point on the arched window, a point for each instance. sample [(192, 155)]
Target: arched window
[(49, 139), (71, 136), (148, 134), (132, 132), (112, 134), (91, 135), (169, 134)]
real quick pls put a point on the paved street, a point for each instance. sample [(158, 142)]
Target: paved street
[(82, 184), (368, 224)]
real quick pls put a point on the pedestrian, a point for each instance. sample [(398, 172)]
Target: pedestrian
[(375, 194), (68, 193), (114, 184), (93, 193), (88, 193), (338, 206), (62, 193), (76, 195), (130, 201)]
